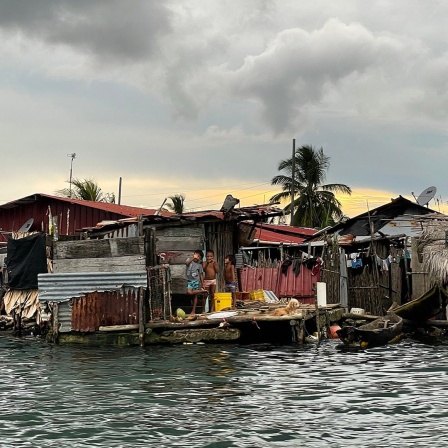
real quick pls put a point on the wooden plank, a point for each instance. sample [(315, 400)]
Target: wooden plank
[(192, 231), (178, 280), (179, 286), (164, 244), (177, 257), (119, 327), (114, 247), (134, 263)]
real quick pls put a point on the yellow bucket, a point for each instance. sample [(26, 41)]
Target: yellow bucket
[(222, 300)]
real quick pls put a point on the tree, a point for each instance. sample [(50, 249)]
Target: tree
[(177, 204), (315, 204), (87, 190)]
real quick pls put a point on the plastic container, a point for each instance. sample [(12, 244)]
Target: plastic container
[(321, 292), (222, 300), (257, 295), (242, 295), (357, 311)]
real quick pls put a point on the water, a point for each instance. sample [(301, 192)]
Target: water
[(222, 396)]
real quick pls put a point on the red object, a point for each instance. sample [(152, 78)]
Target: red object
[(333, 330)]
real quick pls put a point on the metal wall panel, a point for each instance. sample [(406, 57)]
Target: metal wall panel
[(64, 317), (105, 308), (71, 216), (272, 279), (63, 286)]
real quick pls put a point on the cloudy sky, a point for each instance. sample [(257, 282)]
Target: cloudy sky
[(204, 97)]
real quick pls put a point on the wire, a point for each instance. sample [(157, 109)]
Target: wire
[(197, 189)]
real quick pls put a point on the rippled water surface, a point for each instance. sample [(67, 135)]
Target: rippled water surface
[(223, 396)]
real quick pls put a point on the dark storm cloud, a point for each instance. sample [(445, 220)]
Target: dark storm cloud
[(107, 29)]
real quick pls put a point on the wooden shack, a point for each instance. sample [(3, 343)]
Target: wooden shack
[(370, 261)]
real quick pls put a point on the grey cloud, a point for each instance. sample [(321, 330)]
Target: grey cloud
[(107, 29), (298, 67)]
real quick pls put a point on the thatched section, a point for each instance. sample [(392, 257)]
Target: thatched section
[(26, 303), (433, 251)]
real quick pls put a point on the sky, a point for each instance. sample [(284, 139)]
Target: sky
[(204, 97)]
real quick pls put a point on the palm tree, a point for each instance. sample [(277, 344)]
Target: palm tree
[(87, 190), (177, 204), (315, 204)]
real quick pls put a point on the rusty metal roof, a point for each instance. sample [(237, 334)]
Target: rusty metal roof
[(401, 217), (271, 233), (124, 210), (241, 214), (268, 236)]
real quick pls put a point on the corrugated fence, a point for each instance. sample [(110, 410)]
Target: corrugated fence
[(272, 279)]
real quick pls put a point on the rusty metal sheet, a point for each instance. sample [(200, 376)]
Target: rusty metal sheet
[(97, 309), (272, 279)]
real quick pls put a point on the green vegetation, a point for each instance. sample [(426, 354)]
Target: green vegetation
[(87, 190), (315, 203), (177, 204)]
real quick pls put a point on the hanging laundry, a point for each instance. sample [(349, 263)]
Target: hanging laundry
[(310, 262), (285, 265), (296, 266), (317, 265), (348, 261)]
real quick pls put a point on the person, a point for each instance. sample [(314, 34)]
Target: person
[(230, 277), (195, 277), (211, 268)]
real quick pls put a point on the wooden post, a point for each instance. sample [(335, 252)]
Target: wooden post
[(300, 329), (140, 225), (141, 316), (150, 246), (317, 313), (56, 322)]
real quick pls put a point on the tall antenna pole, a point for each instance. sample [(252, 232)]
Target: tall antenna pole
[(293, 169), (119, 191), (73, 155)]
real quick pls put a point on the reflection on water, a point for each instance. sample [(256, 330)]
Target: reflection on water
[(222, 396)]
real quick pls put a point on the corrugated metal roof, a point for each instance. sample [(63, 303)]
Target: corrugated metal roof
[(285, 229), (267, 236), (236, 213), (63, 286), (124, 210), (240, 214), (267, 233)]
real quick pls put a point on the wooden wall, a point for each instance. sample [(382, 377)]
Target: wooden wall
[(162, 244), (368, 288), (220, 237), (107, 255), (178, 242), (175, 244)]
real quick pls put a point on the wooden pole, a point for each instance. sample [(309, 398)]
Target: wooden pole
[(141, 316), (317, 313)]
